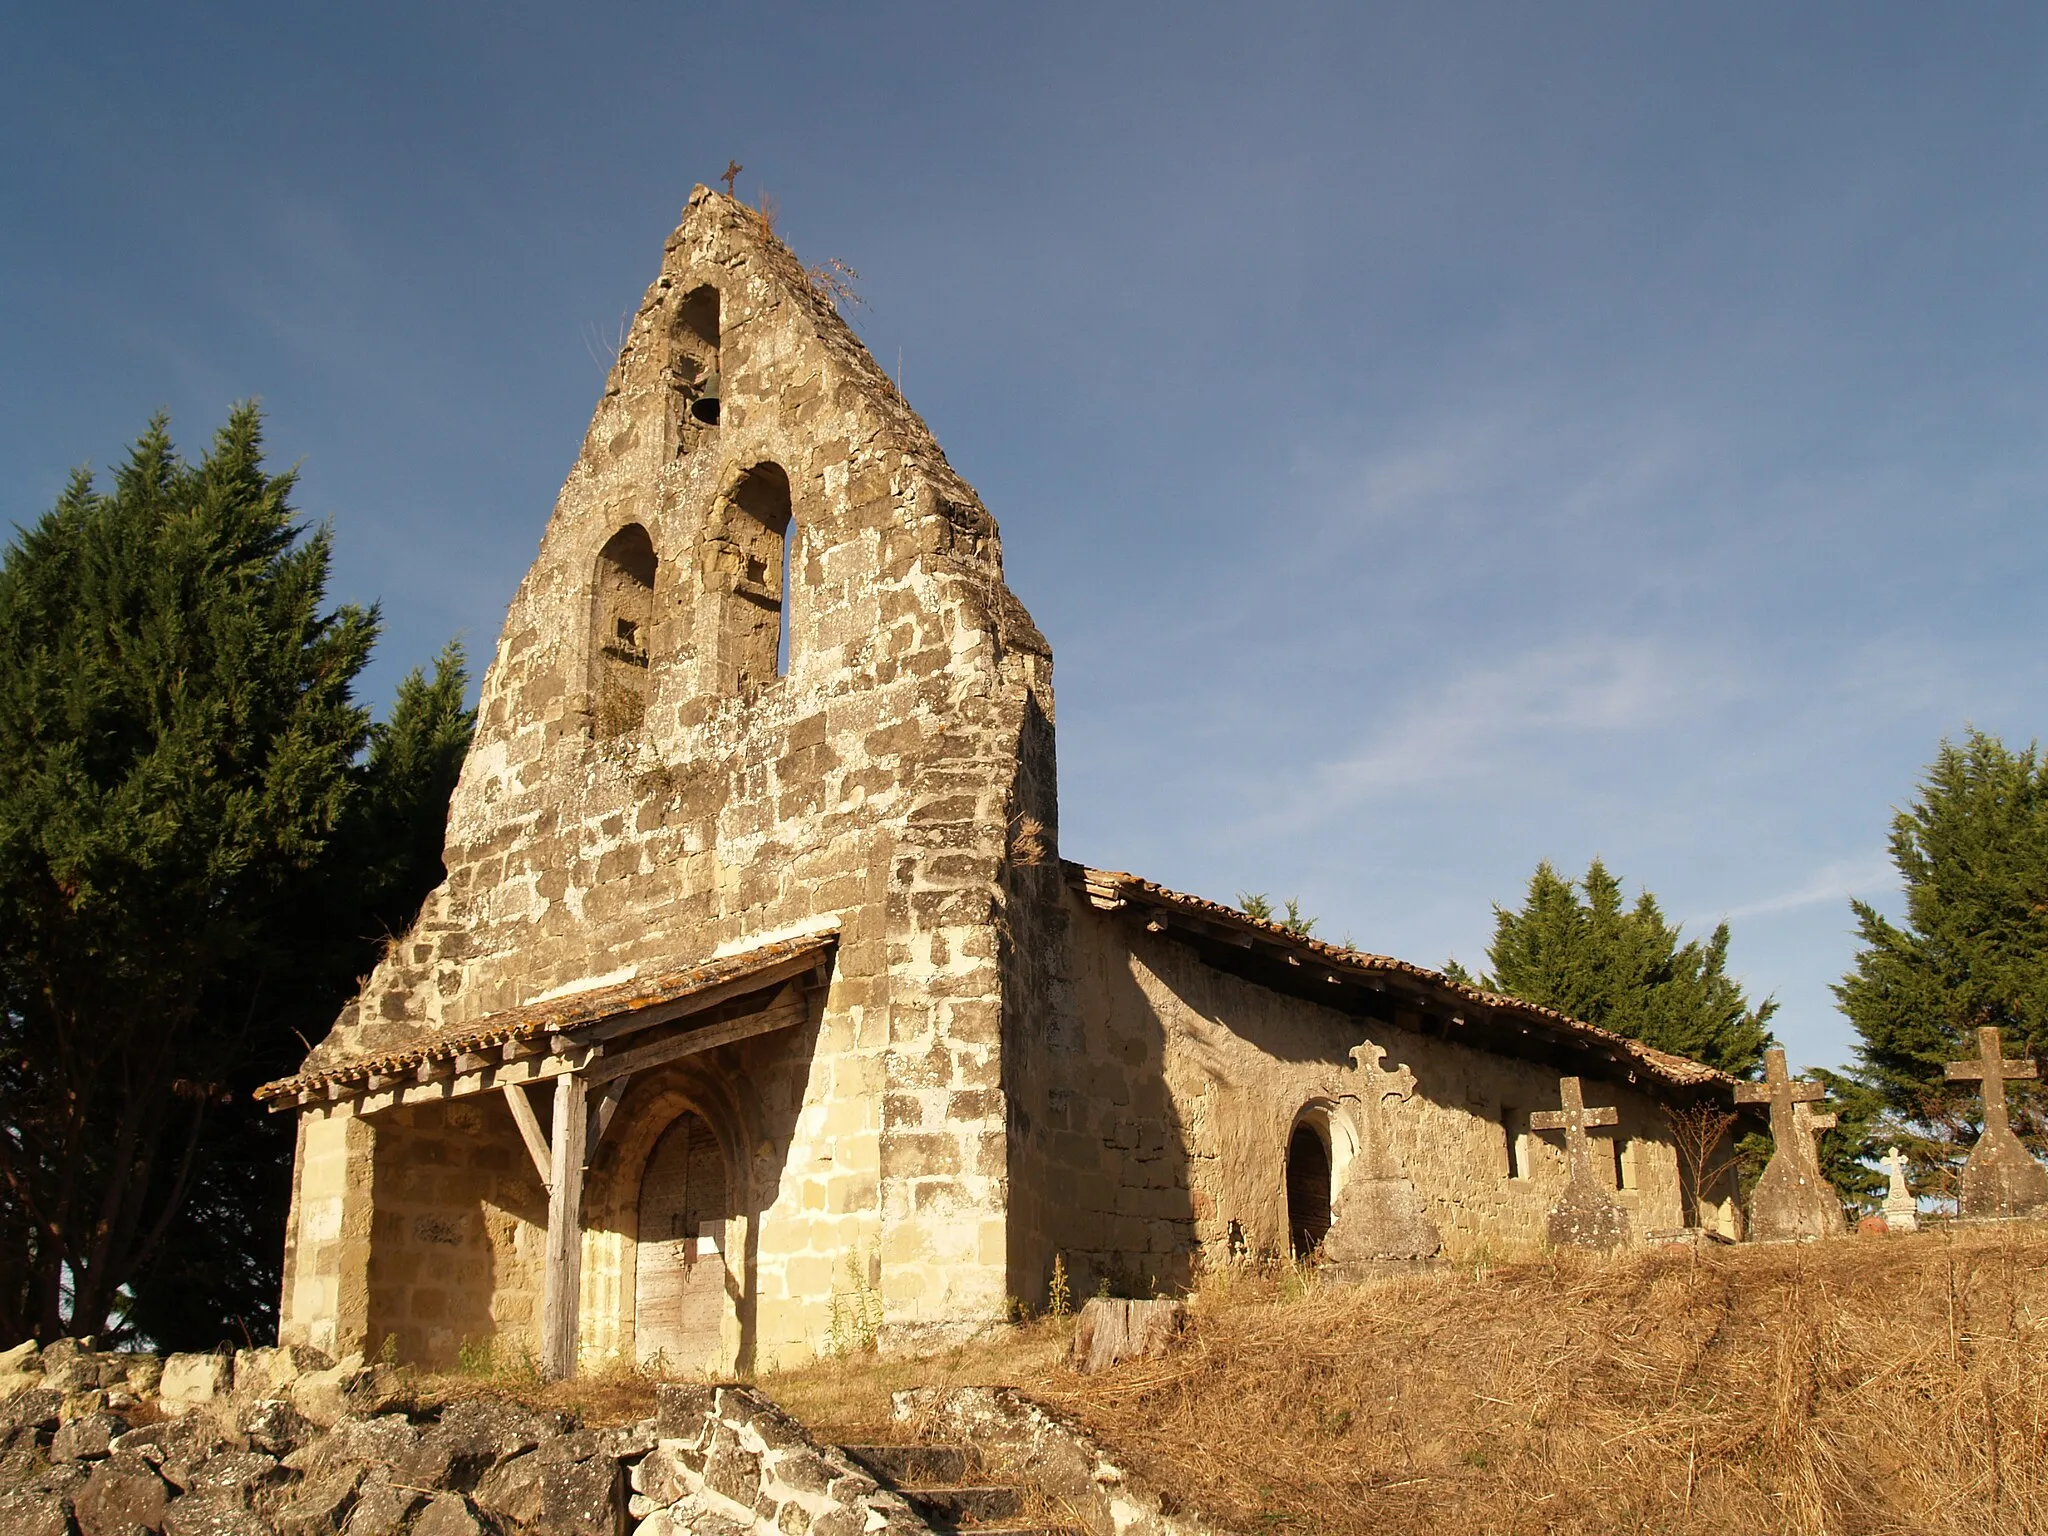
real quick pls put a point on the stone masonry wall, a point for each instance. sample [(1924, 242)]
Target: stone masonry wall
[(1167, 1120), (867, 789)]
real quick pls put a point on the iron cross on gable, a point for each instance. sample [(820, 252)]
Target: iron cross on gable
[(1574, 1120), (732, 174), (1781, 1091), (1994, 1068)]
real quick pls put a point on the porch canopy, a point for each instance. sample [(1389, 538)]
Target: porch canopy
[(589, 1045)]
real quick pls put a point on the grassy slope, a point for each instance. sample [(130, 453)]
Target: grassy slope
[(1864, 1385)]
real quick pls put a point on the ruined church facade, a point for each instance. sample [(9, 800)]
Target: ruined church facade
[(758, 1005)]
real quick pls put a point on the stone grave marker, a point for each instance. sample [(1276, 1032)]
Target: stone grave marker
[(2001, 1178), (1585, 1215), (1791, 1200), (1901, 1210)]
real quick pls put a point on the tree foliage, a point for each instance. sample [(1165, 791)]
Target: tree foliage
[(1257, 905), (202, 837), (1972, 853), (1579, 948)]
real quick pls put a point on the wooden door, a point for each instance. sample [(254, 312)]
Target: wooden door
[(680, 1287)]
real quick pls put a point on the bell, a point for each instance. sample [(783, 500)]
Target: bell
[(705, 407)]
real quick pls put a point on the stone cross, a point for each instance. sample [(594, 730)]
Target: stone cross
[(1791, 1201), (1585, 1215), (732, 174), (1781, 1091), (1810, 1126), (1574, 1120), (2000, 1177), (1901, 1210), (1993, 1068)]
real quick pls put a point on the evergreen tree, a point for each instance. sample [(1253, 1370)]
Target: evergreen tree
[(1578, 948), (1972, 852), (194, 857)]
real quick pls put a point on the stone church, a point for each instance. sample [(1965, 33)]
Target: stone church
[(758, 992)]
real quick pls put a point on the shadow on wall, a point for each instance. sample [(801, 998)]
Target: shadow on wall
[(452, 1185), (744, 1100), (1098, 1141)]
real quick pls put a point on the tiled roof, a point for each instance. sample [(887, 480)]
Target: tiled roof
[(560, 1015), (1113, 887)]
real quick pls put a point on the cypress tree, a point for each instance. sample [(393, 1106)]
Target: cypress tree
[(1972, 853), (182, 781), (1579, 948)]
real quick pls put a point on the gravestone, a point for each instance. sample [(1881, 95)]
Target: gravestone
[(2001, 1178), (1379, 1219), (1585, 1215), (1901, 1210), (1791, 1201)]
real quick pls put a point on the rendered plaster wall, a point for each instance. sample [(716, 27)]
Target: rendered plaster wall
[(1164, 1119), (868, 788)]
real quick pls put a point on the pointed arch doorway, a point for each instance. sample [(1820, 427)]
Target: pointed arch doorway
[(680, 1286)]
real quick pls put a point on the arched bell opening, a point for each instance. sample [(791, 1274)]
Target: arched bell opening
[(622, 618), (1308, 1189), (748, 566), (693, 364)]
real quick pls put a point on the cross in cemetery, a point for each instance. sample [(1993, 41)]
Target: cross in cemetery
[(1901, 1210), (1781, 1091), (1993, 1068), (1811, 1125), (1574, 1120)]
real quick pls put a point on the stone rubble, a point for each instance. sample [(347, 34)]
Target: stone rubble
[(284, 1442)]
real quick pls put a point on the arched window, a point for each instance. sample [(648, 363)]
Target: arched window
[(751, 561), (1308, 1190), (622, 613)]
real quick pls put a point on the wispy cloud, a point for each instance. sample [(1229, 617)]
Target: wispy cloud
[(1835, 881), (1594, 684)]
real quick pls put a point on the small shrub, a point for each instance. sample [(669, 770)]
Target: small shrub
[(855, 1319), (1059, 1296)]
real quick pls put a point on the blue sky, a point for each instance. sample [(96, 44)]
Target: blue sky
[(1435, 438)]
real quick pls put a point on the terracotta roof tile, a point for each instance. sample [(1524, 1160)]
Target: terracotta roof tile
[(1116, 885), (555, 1016)]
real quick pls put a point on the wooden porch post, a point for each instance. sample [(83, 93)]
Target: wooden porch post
[(560, 1290)]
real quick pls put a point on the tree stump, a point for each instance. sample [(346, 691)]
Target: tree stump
[(1110, 1330)]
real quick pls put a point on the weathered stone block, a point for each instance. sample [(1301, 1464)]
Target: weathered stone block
[(213, 1514), (86, 1437), (320, 1506), (34, 1512), (681, 1409), (123, 1495), (446, 1514), (733, 1471), (511, 1491)]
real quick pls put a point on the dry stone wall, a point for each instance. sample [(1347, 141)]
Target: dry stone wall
[(286, 1443)]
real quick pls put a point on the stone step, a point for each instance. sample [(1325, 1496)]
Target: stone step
[(905, 1465), (971, 1505)]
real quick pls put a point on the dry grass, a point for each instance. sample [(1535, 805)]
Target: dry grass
[(1855, 1386), (847, 1401), (618, 1396)]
